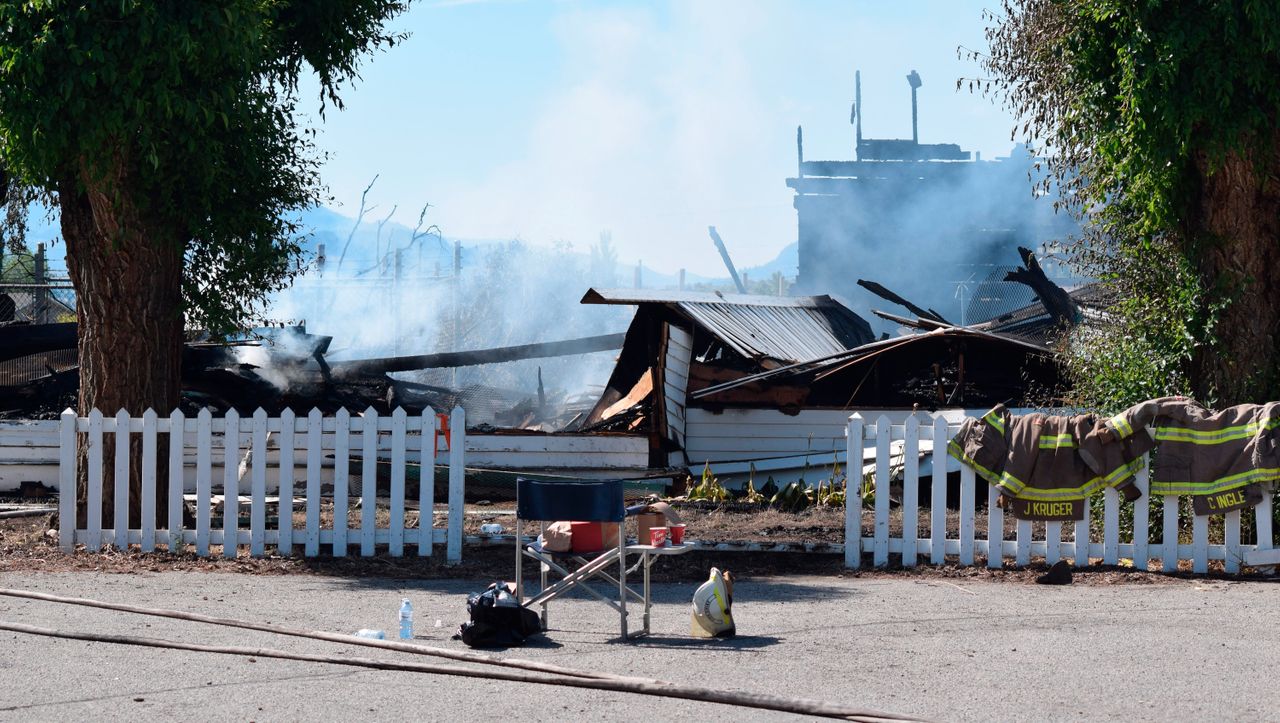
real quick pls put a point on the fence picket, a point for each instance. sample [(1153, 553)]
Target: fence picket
[(239, 448), (1169, 538), (1142, 518), (258, 485), (284, 518), (399, 424), (412, 433), (967, 503), (148, 499), (995, 529), (910, 490), (853, 494), (1052, 542), (937, 494), (314, 428), (1232, 554), (230, 482), (884, 484), (1262, 515), (120, 484), (1022, 557), (93, 540), (427, 484), (1199, 544), (204, 482), (457, 440), (368, 481), (1080, 536), (177, 426), (67, 481), (341, 456), (1110, 526)]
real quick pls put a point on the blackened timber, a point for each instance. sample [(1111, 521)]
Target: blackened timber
[(1061, 307), (888, 295), (728, 262), (445, 360)]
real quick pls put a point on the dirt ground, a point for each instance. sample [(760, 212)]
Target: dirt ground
[(27, 544)]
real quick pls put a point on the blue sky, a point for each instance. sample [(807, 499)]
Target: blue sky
[(553, 120)]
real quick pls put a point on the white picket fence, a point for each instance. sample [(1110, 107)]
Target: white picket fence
[(970, 544), (312, 437)]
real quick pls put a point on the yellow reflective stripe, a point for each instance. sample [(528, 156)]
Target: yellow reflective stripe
[(1195, 436), (1213, 436), (956, 451), (1222, 484), (1037, 494), (1120, 474), (1057, 441), (994, 420), (1113, 478), (1121, 425), (1012, 484)]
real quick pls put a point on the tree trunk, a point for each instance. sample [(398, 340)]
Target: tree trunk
[(127, 274), (1238, 216)]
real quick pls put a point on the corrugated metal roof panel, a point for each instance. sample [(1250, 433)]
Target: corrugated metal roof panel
[(785, 333), (784, 328), (673, 296)]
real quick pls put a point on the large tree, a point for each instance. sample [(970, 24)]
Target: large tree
[(1162, 118), (165, 133)]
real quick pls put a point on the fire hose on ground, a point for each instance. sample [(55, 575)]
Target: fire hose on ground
[(511, 669)]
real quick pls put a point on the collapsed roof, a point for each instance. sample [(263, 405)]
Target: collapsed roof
[(765, 329)]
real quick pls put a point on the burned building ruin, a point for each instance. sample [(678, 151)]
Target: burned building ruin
[(923, 218)]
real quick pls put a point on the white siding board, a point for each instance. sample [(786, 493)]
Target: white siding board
[(675, 381)]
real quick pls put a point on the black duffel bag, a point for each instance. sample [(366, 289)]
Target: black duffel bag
[(497, 619)]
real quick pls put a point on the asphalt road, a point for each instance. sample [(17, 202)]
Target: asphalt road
[(928, 647)]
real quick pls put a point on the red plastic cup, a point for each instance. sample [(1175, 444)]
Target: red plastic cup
[(677, 534), (658, 536)]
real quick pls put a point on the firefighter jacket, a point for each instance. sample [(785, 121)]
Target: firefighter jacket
[(1220, 458), (1046, 466)]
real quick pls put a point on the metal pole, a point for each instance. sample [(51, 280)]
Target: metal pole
[(42, 293)]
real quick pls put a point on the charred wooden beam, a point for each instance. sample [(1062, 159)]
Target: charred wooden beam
[(728, 262), (888, 295), (451, 359), (1061, 307)]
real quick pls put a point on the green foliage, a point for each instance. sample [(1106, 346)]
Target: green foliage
[(709, 488), (179, 117), (1147, 346), (1136, 104)]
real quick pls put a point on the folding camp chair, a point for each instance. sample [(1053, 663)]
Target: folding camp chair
[(581, 501)]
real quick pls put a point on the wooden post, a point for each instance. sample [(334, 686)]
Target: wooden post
[(315, 422), (368, 481), (910, 489), (853, 494), (230, 483), (67, 481), (284, 540), (880, 548), (204, 481), (177, 445), (341, 465), (258, 485), (457, 443), (427, 483), (399, 425), (938, 494), (148, 521)]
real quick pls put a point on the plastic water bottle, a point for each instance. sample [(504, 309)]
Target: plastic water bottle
[(406, 620)]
